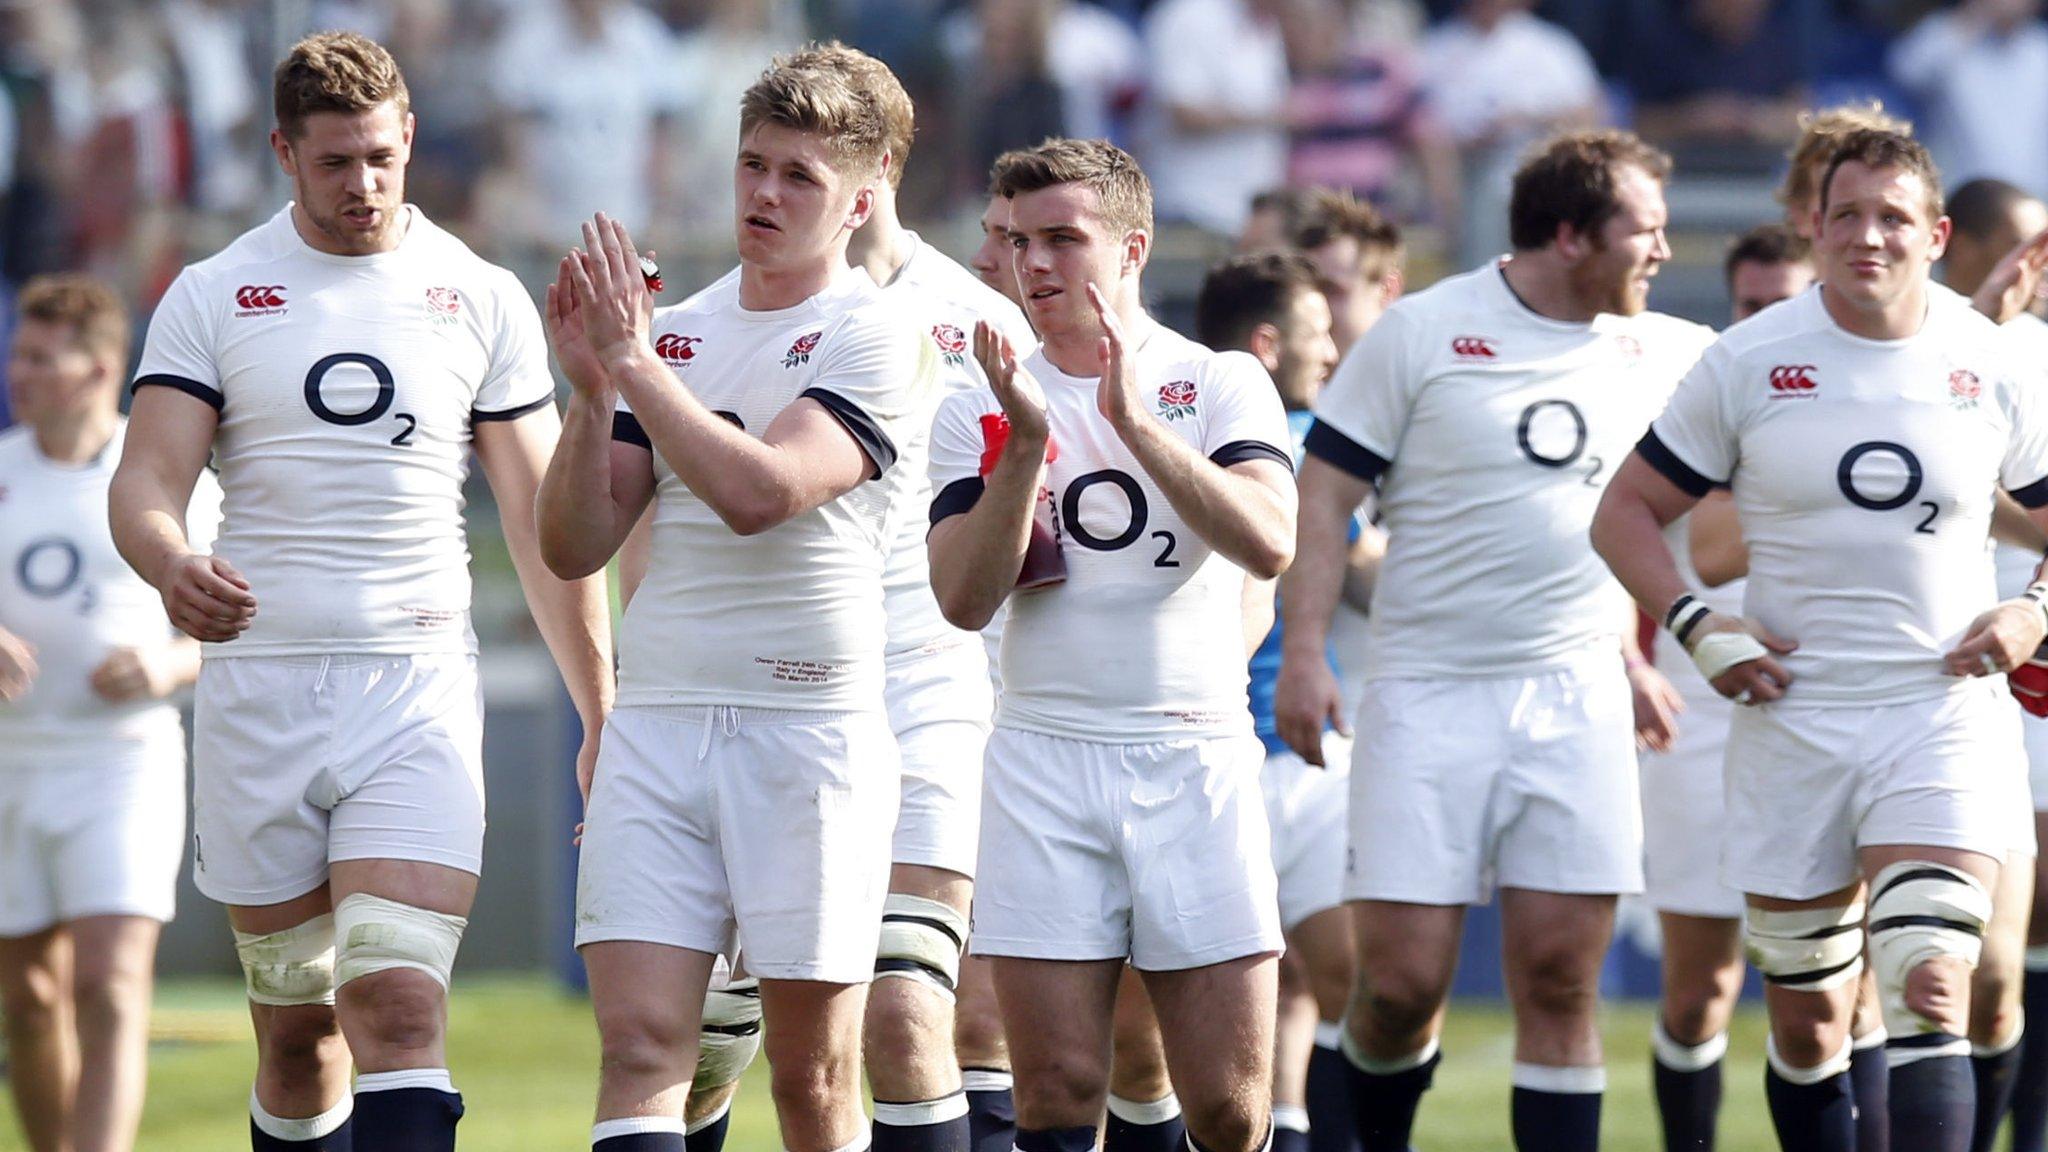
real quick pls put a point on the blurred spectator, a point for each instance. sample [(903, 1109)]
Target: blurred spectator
[(1807, 162), (1094, 58), (124, 165), (1980, 72), (1016, 102), (714, 63), (210, 50), (1216, 114), (1718, 71), (1276, 214), (1500, 79), (593, 86), (1357, 111), (443, 46)]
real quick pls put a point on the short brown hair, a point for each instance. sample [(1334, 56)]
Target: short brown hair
[(1331, 214), (1242, 293), (1119, 183), (1880, 148), (1768, 244), (804, 92), (96, 316), (1570, 179), (1820, 133), (334, 72), (875, 81)]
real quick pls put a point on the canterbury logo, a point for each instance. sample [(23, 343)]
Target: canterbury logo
[(673, 347), (252, 296), (1473, 347), (1793, 378)]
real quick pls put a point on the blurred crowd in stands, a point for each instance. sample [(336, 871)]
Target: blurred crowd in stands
[(132, 132)]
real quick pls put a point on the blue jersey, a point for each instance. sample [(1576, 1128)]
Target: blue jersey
[(1265, 663)]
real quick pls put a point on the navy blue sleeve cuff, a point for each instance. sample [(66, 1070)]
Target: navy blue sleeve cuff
[(861, 426), (1239, 451), (2033, 495), (480, 415), (626, 429), (1335, 448), (189, 387), (1669, 466), (956, 498)]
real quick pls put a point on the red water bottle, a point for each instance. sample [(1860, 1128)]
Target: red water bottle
[(1044, 565)]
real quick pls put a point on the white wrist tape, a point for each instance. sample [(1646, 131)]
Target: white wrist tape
[(1717, 652)]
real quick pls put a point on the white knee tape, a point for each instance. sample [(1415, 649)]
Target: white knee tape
[(921, 940), (1810, 950), (376, 935), (295, 966), (731, 1034), (1921, 911)]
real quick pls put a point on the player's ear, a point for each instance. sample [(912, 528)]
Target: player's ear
[(1939, 236), (863, 207), (1392, 285), (1570, 243), (1265, 345), (282, 147), (1137, 250)]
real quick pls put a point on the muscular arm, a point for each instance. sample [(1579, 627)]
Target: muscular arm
[(1305, 696), (1362, 566), (593, 492), (1628, 532), (572, 614), (1245, 511), (170, 435), (2014, 525), (976, 555)]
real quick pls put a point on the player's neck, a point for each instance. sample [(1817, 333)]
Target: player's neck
[(1892, 320), (773, 289), (883, 245), (1079, 353), (75, 438), (319, 241), (1542, 286)]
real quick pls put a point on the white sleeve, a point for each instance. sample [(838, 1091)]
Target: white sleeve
[(179, 352), (1243, 418), (956, 451), (1694, 444), (517, 380), (1362, 413), (202, 513), (1925, 56), (2024, 471), (1181, 57), (875, 375)]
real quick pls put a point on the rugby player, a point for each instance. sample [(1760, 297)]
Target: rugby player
[(1865, 430), (92, 757), (749, 778), (341, 361), (1821, 131), (1357, 257), (1490, 409), (1701, 919), (1121, 817)]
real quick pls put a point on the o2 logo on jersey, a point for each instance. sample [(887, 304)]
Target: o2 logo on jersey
[(1133, 530), (1889, 470), (1177, 400), (1553, 434), (677, 349), (952, 343), (260, 300), (1473, 348), (387, 392), (1793, 382), (444, 306), (49, 568), (800, 352)]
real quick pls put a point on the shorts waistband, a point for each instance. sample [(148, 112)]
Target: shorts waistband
[(731, 718)]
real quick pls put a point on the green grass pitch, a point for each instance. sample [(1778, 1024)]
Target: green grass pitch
[(525, 1058)]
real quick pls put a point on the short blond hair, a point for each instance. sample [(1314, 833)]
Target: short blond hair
[(97, 318), (875, 81), (803, 92), (1332, 214), (1821, 133), (334, 72), (1120, 185)]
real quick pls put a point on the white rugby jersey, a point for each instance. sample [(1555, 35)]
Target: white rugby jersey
[(1144, 640), (2015, 566), (68, 592), (792, 617), (1863, 473), (1492, 431), (347, 387)]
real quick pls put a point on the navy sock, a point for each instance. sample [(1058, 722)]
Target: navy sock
[(2030, 1088), (642, 1142), (711, 1137), (342, 1139), (1812, 1117), (1994, 1075), (332, 1131), (1870, 1079), (991, 1110), (925, 1126), (1546, 1121), (1056, 1140), (406, 1119), (1933, 1098), (1144, 1127), (1687, 1079), (1290, 1128), (1383, 1105), (1330, 1125)]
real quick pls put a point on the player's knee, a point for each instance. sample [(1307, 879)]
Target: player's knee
[(393, 1011), (1329, 981), (1558, 982), (1227, 1122), (1926, 933), (295, 1043), (644, 1047), (29, 997), (811, 1087), (1397, 1007), (1067, 1088), (289, 968), (1696, 1010), (978, 1036), (110, 991), (921, 943), (730, 1035), (908, 1037)]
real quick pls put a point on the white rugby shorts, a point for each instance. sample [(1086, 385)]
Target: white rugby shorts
[(1306, 807), (2034, 733), (940, 704), (755, 828), (1459, 786), (1156, 852), (1809, 786), (302, 761), (1683, 815), (97, 829)]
